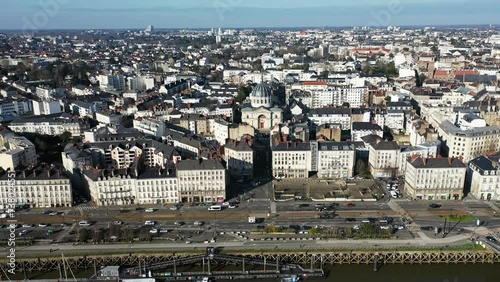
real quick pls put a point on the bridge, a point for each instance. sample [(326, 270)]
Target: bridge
[(271, 269)]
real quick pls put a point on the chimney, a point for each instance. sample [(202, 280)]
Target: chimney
[(48, 172), (287, 145), (450, 160), (276, 141), (424, 160), (159, 171)]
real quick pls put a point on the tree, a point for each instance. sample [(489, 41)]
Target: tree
[(346, 105), (324, 74), (83, 235), (65, 136)]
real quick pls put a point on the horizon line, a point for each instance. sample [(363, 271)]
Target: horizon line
[(276, 27)]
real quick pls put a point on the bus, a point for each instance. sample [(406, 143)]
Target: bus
[(215, 208)]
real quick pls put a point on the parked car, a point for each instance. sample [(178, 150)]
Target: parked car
[(350, 205), (491, 238), (149, 222), (179, 223), (174, 208), (153, 231), (199, 223), (53, 213), (350, 219), (42, 225), (434, 206), (163, 230), (149, 210)]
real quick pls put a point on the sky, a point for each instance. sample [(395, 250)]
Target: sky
[(125, 14)]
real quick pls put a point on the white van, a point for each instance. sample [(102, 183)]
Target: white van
[(84, 223), (149, 222)]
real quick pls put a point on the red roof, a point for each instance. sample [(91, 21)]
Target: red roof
[(441, 72), (315, 83)]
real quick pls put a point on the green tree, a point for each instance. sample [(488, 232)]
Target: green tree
[(83, 235), (346, 105), (65, 137), (324, 74), (368, 230)]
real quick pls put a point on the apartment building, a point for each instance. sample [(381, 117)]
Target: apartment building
[(37, 187), (157, 186), (239, 157), (202, 181), (10, 106), (469, 143), (46, 107), (149, 126), (435, 178), (108, 117), (125, 154), (340, 116), (188, 147), (362, 129), (47, 125), (221, 130), (426, 150), (484, 175), (337, 96), (109, 133), (16, 151), (291, 160), (383, 156), (335, 159)]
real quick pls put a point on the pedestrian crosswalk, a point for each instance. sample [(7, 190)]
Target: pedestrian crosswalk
[(86, 208)]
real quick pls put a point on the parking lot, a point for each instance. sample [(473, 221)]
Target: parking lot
[(365, 189)]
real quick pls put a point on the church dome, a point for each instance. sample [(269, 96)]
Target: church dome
[(262, 91)]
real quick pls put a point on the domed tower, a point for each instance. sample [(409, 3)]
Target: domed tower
[(261, 96)]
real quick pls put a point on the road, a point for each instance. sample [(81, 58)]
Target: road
[(257, 201), (247, 245)]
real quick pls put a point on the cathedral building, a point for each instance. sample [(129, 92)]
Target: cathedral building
[(260, 113)]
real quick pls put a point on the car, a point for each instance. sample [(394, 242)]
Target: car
[(163, 230), (233, 206), (226, 204), (118, 222), (153, 231), (434, 206), (53, 213), (23, 232), (42, 225), (350, 219), (150, 222), (188, 242), (385, 227), (27, 225), (427, 228), (149, 210), (491, 238), (199, 223), (179, 223), (174, 208), (355, 227), (350, 205)]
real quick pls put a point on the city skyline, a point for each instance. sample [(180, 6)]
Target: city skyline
[(70, 14)]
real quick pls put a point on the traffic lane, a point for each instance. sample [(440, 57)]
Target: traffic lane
[(420, 205), (307, 206)]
